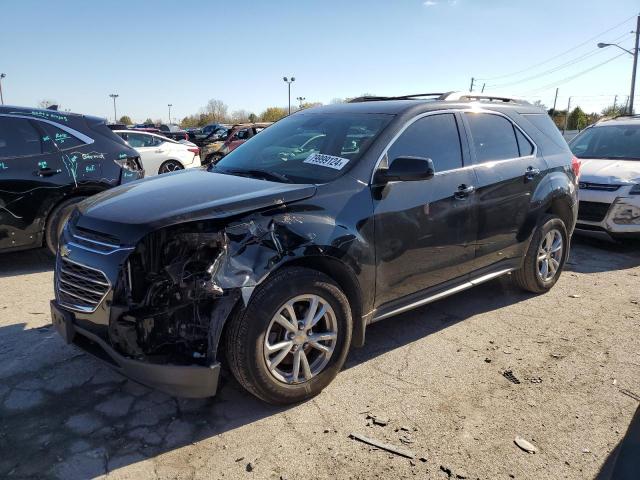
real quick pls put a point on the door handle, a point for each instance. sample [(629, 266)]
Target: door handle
[(46, 172), (531, 173), (464, 191), (159, 151)]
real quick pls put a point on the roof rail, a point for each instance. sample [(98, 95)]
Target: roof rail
[(624, 115), (456, 96), (417, 96)]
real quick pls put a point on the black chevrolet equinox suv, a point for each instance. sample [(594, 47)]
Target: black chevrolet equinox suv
[(276, 259), (49, 161)]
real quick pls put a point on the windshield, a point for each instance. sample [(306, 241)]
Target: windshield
[(306, 148), (608, 142)]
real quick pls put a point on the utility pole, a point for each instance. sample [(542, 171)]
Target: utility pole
[(115, 115), (635, 66), (615, 104), (483, 85), (2, 75), (170, 105), (555, 100), (473, 80), (566, 118)]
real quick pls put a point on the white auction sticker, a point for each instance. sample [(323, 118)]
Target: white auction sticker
[(327, 161)]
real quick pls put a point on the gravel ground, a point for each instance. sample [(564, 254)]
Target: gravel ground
[(433, 377)]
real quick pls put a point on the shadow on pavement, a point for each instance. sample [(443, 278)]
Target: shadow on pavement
[(25, 262), (66, 415), (590, 255), (623, 463)]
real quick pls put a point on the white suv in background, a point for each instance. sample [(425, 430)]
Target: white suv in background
[(160, 154), (609, 177)]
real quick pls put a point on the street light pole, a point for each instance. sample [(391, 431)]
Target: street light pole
[(170, 105), (115, 114), (289, 82), (2, 75), (632, 94)]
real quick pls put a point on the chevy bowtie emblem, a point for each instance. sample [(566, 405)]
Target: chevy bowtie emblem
[(64, 251)]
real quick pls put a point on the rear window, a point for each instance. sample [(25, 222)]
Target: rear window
[(63, 140), (543, 122)]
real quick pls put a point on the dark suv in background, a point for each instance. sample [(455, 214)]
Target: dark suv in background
[(49, 161), (276, 259)]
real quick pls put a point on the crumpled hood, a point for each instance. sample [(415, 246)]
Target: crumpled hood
[(616, 172), (132, 210)]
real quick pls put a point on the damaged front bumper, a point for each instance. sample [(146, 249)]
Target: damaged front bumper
[(192, 381)]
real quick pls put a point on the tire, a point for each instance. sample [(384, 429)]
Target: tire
[(214, 158), (251, 329), (531, 276), (55, 222), (170, 166)]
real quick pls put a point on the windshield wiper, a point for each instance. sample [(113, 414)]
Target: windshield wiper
[(264, 174)]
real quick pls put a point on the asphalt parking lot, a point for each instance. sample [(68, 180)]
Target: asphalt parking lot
[(433, 378)]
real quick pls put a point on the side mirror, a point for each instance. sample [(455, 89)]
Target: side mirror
[(406, 169)]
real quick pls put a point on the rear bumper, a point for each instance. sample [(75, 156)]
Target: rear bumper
[(192, 381)]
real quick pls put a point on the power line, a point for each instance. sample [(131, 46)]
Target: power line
[(568, 79), (556, 68), (560, 54)]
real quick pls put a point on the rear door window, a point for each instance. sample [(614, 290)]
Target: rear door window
[(19, 138), (435, 137), (140, 140), (493, 137), (63, 140)]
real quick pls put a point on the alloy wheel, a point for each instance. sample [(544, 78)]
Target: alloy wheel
[(550, 255), (300, 339), (170, 166)]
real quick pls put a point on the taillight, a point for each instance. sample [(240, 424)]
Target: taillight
[(194, 150), (131, 164), (575, 166)]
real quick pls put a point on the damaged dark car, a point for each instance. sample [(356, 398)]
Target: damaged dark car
[(274, 260)]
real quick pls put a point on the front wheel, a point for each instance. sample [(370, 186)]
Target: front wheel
[(170, 166), (545, 256), (293, 337)]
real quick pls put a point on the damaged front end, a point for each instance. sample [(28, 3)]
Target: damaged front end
[(167, 293), (169, 297), (180, 284)]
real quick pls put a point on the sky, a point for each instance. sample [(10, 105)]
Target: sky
[(152, 53)]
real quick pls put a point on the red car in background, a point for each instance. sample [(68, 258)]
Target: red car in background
[(230, 140)]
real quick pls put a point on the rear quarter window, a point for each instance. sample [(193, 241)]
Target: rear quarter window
[(544, 124)]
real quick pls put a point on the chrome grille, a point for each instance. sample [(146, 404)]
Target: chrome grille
[(79, 287)]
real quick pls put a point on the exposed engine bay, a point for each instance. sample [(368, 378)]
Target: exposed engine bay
[(179, 285), (168, 289)]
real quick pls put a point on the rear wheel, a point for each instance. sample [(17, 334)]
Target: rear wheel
[(545, 257), (293, 337), (170, 166), (55, 223)]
